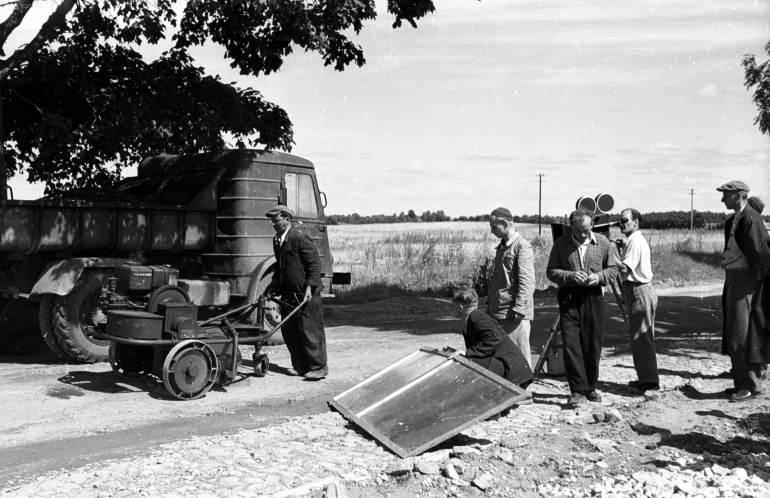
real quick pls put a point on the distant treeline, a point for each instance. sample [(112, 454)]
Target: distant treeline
[(657, 220)]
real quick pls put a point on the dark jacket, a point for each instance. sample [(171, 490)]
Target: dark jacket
[(751, 237), (601, 258), (298, 265), (486, 344)]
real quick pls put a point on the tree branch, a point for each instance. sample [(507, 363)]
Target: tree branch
[(6, 28), (47, 32)]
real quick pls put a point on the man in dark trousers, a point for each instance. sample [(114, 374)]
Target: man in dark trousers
[(747, 278), (487, 344), (298, 278), (581, 263)]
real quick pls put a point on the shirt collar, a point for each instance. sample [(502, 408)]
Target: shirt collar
[(282, 236), (508, 243), (591, 240)]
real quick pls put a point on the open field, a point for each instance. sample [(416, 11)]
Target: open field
[(434, 258)]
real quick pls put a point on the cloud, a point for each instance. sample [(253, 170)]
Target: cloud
[(709, 91), (486, 158)]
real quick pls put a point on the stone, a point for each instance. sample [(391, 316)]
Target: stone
[(483, 482), (595, 456), (427, 468), (450, 472), (612, 415), (336, 490), (460, 451), (435, 456), (400, 467), (740, 473), (598, 417), (506, 456), (719, 470), (511, 443)]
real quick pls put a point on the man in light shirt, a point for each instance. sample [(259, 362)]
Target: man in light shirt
[(747, 275), (640, 300)]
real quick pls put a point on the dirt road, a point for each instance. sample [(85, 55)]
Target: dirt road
[(65, 416), (57, 415)]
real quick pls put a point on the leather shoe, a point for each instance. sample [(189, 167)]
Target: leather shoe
[(317, 374), (741, 395), (594, 396), (293, 372), (576, 399), (644, 386)]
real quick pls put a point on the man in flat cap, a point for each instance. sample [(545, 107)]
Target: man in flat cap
[(512, 287), (747, 270), (298, 278)]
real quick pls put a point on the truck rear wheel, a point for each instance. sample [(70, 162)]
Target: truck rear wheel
[(273, 316), (72, 315), (46, 328)]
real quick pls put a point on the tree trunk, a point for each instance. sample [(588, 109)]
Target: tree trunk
[(3, 169)]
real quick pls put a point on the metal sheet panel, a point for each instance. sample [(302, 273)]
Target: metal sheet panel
[(424, 399)]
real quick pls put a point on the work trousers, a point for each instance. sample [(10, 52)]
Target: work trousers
[(305, 336), (739, 301), (581, 317), (640, 304), (519, 332)]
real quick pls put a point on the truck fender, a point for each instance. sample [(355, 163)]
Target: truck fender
[(60, 278), (256, 277)]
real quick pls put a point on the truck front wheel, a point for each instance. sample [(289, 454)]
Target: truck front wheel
[(72, 315)]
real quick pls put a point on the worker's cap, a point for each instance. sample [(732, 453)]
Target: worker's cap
[(733, 186), (502, 212), (280, 209)]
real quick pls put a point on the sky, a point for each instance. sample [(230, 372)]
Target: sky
[(642, 100)]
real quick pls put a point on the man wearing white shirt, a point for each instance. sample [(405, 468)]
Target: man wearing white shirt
[(640, 300)]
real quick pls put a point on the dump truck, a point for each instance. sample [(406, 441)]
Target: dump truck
[(186, 229)]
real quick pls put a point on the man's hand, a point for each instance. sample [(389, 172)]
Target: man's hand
[(308, 293), (592, 280), (579, 277)]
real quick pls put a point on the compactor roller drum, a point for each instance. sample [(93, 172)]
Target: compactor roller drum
[(191, 368)]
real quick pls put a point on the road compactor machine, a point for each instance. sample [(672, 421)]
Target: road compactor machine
[(186, 240)]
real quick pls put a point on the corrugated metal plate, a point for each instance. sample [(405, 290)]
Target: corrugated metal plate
[(424, 399)]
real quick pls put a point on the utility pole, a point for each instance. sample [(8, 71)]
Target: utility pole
[(692, 194), (539, 204)]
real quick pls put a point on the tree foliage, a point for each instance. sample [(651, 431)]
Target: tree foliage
[(82, 99), (757, 77)]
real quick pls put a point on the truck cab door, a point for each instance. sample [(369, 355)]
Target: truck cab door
[(303, 197)]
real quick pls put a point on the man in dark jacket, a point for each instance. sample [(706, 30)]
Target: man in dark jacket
[(487, 344), (747, 269), (298, 278), (581, 263)]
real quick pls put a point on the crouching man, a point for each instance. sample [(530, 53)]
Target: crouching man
[(487, 345)]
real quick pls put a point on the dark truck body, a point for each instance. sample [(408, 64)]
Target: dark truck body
[(200, 216)]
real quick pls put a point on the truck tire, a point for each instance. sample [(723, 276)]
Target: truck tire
[(274, 317), (71, 314), (46, 328)]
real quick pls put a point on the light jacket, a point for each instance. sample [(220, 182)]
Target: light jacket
[(512, 287)]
